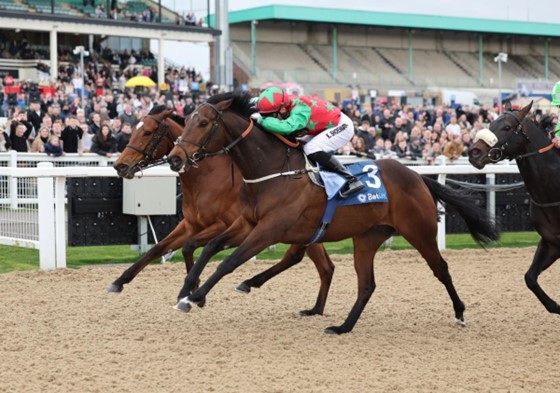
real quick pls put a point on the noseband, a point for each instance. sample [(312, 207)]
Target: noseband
[(496, 154), (201, 153), (161, 132)]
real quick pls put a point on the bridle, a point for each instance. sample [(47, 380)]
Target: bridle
[(496, 154), (161, 132), (201, 153)]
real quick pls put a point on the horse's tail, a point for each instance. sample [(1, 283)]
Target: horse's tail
[(481, 227)]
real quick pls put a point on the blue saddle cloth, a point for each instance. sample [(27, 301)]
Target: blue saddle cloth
[(374, 191), (368, 172)]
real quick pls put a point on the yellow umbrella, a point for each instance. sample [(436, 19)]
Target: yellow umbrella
[(143, 81)]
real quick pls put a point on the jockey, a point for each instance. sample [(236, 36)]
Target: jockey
[(327, 129), (556, 101)]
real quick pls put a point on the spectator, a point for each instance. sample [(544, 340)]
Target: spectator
[(103, 143), (53, 148), (86, 138), (415, 147), (71, 137), (5, 143), (386, 124), (57, 128), (95, 125), (123, 137), (454, 148), (128, 115), (363, 132), (20, 130), (402, 150), (34, 115), (38, 145), (432, 152), (453, 128)]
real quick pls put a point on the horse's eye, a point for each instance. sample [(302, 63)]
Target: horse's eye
[(203, 123), (147, 133), (507, 128)]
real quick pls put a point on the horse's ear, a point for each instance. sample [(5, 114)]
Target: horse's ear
[(508, 106), (524, 111), (223, 105)]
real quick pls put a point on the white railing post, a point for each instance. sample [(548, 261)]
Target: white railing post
[(13, 190), (47, 233), (441, 224), (60, 221)]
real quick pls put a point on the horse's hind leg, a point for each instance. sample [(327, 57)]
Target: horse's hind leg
[(545, 256), (365, 248), (294, 255), (425, 242)]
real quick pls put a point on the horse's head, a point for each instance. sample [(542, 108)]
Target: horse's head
[(206, 133), (505, 139), (151, 139)]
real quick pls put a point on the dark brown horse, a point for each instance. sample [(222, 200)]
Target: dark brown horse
[(209, 207), (288, 209), (514, 135)]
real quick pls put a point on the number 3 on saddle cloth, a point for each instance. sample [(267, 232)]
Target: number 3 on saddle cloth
[(374, 191)]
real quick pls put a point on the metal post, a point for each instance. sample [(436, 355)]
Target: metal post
[(491, 195), (254, 47), (335, 52), (441, 224), (500, 86), (546, 58), (53, 55), (480, 60), (83, 80), (410, 60)]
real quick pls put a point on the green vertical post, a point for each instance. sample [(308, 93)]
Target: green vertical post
[(410, 60), (335, 54), (546, 54), (480, 60), (254, 47)]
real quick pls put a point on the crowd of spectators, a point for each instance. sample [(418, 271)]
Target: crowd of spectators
[(415, 133), (50, 117)]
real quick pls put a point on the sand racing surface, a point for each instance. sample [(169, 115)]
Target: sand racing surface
[(61, 332)]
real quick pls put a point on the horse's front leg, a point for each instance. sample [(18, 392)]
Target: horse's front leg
[(545, 256), (231, 237), (200, 239), (252, 242), (171, 242)]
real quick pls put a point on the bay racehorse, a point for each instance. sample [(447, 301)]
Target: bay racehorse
[(208, 207), (280, 207), (516, 136)]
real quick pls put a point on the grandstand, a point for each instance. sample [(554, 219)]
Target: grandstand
[(342, 48)]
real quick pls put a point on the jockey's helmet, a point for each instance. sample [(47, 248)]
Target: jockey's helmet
[(556, 94), (271, 100)]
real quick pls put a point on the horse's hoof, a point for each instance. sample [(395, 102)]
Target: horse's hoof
[(114, 288), (334, 330), (308, 313), (243, 288), (184, 305), (460, 323), (201, 303)]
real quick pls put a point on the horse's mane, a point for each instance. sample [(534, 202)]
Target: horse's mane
[(157, 109), (242, 103)]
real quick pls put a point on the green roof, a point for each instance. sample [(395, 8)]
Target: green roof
[(372, 18)]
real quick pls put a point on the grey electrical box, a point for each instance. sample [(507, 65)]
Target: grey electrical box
[(148, 196)]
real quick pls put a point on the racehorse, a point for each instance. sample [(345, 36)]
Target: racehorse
[(208, 207), (514, 135), (279, 207)]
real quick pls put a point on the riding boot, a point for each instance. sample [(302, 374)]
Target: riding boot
[(331, 164)]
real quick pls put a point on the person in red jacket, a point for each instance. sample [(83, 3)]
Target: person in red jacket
[(325, 127)]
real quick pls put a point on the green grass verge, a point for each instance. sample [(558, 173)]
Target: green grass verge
[(19, 259)]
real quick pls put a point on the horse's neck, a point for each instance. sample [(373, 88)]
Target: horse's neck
[(540, 171)]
